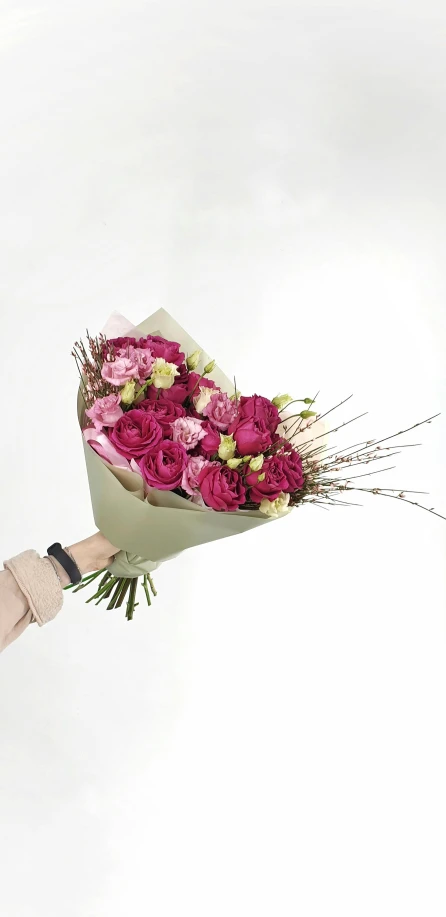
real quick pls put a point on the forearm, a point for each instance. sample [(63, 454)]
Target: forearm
[(31, 586)]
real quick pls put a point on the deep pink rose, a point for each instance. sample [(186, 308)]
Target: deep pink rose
[(283, 474), (105, 411), (165, 412), (122, 342), (210, 443), (292, 465), (164, 468), (176, 393), (188, 431), (195, 382), (191, 473), (252, 436), (136, 433), (221, 411), (257, 408), (221, 488), (168, 350), (119, 371)]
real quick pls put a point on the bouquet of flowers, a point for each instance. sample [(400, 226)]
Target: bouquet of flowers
[(177, 457)]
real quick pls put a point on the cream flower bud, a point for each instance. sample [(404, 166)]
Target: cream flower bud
[(306, 414), (280, 401), (234, 463), (209, 367), (203, 398), (236, 396), (128, 392), (163, 373), (261, 477), (256, 463), (275, 508), (227, 447), (193, 361)]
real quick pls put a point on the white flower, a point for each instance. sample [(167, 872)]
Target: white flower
[(163, 373), (275, 507), (203, 398), (227, 447)]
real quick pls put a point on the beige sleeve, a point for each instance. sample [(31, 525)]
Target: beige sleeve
[(29, 591)]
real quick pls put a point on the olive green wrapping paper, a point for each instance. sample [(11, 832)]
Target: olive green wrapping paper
[(154, 527)]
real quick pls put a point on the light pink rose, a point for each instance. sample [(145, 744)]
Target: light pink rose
[(142, 358), (105, 411), (220, 410), (195, 464), (120, 370), (188, 431)]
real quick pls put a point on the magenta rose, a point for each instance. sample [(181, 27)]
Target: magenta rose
[(252, 436), (292, 465), (168, 350), (164, 468), (283, 474), (221, 411), (122, 342), (176, 393), (258, 408), (210, 443), (136, 433), (195, 382), (105, 411), (221, 488), (165, 412)]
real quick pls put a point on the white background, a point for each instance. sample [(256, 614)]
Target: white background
[(269, 739)]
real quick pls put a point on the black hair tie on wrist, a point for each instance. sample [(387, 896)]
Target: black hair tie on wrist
[(71, 569)]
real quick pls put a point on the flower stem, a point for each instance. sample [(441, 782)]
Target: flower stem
[(131, 599)]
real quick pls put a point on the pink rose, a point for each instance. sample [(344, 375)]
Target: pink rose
[(258, 408), (211, 441), (136, 433), (120, 371), (221, 488), (164, 468), (164, 411), (188, 431), (221, 411), (105, 411), (283, 474), (142, 358), (168, 350), (194, 466)]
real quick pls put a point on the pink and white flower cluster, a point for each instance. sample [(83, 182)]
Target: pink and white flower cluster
[(183, 433)]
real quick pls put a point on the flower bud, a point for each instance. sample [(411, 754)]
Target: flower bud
[(261, 477), (256, 463), (193, 361), (280, 401), (128, 392), (234, 463), (208, 368), (235, 396), (308, 400), (306, 414), (227, 447), (246, 458)]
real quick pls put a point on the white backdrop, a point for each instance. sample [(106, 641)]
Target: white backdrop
[(269, 739)]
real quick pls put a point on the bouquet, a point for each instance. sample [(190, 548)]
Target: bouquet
[(177, 457)]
